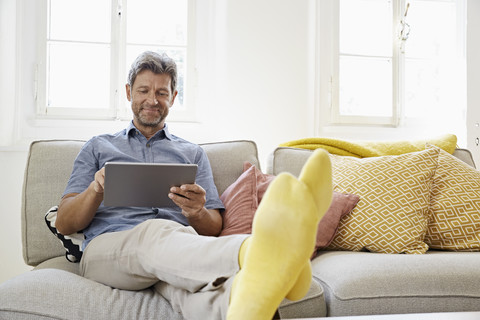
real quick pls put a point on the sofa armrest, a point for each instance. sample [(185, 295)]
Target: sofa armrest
[(49, 165)]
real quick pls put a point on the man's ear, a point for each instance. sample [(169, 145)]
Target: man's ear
[(173, 97), (129, 92)]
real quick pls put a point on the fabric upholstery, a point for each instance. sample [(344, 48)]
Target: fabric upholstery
[(374, 283), (48, 168), (308, 307), (59, 263), (82, 299), (465, 155), (227, 159)]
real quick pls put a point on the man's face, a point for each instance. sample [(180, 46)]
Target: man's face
[(151, 98)]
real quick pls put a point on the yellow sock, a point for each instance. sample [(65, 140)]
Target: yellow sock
[(317, 175), (302, 284), (275, 259)]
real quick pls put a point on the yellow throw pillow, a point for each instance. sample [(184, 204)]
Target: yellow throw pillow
[(455, 205), (393, 212)]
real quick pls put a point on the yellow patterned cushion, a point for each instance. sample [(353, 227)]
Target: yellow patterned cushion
[(455, 205), (392, 214)]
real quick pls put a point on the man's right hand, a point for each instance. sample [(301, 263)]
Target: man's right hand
[(99, 182), (76, 210)]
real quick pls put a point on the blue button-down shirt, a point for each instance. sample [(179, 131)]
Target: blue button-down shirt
[(131, 146)]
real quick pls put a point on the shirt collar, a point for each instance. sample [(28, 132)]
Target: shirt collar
[(131, 128), (168, 135)]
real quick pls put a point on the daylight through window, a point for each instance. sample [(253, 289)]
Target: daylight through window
[(90, 44)]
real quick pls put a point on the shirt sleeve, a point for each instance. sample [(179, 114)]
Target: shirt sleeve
[(204, 178), (84, 168)]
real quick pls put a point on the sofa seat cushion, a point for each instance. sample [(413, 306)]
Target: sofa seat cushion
[(360, 283), (57, 294), (50, 293)]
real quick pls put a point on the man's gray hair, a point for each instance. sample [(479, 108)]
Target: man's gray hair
[(155, 62)]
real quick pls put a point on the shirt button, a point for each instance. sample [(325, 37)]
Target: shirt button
[(148, 145)]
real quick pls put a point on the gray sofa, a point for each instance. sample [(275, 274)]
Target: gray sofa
[(346, 283), (54, 290)]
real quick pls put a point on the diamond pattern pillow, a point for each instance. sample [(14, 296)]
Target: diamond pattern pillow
[(455, 205), (393, 211)]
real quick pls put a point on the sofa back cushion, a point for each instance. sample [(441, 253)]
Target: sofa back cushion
[(227, 159), (48, 168), (292, 159)]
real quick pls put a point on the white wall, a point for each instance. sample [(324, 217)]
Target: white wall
[(12, 162), (255, 81)]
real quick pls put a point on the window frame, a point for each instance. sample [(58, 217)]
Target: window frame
[(328, 106), (118, 76)]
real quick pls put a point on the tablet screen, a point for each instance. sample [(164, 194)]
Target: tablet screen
[(144, 184)]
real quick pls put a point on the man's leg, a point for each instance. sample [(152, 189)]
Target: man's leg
[(160, 250), (204, 262), (201, 305), (275, 261)]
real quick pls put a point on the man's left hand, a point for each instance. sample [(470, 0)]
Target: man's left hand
[(190, 198)]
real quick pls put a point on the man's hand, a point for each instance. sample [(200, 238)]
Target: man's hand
[(76, 210), (99, 181), (190, 198)]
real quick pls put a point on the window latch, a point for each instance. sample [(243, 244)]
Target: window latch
[(404, 26)]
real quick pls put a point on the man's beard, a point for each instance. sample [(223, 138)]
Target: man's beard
[(147, 121)]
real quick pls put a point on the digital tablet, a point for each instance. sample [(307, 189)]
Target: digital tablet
[(144, 184)]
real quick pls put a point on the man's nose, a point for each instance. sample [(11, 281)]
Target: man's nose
[(152, 99)]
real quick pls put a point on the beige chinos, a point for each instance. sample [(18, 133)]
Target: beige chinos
[(193, 272)]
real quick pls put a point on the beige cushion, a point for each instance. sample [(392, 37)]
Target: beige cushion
[(227, 158), (365, 283), (49, 165), (465, 155), (57, 294)]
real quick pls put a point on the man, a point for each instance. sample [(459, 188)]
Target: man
[(173, 249)]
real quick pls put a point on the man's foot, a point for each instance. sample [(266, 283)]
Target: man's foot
[(275, 260)]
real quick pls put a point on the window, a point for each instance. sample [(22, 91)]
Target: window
[(89, 45), (397, 61)]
